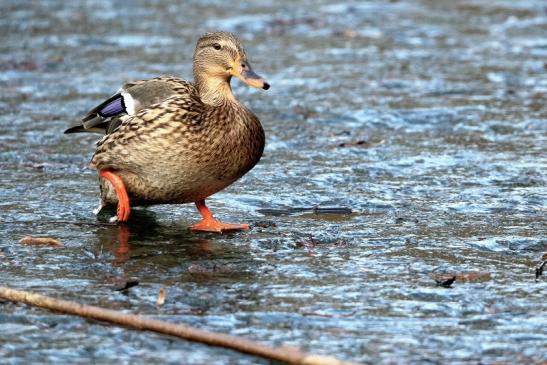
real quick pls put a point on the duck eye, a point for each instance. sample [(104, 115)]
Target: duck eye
[(217, 46)]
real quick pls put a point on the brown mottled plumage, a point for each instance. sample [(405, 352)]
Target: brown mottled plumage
[(178, 142)]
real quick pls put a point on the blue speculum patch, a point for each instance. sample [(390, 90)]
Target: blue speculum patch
[(113, 108)]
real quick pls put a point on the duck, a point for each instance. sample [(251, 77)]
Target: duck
[(171, 141)]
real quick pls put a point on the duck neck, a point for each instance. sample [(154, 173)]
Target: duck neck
[(214, 90)]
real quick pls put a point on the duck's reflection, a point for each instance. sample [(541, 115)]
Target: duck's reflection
[(121, 250), (133, 239)]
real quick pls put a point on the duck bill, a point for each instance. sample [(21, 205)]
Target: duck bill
[(248, 76)]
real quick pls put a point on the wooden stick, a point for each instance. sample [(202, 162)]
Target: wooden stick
[(287, 355)]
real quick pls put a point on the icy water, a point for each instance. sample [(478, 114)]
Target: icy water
[(426, 118)]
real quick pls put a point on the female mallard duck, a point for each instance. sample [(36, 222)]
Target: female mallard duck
[(169, 141)]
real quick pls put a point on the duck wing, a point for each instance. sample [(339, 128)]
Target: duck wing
[(139, 139), (130, 99)]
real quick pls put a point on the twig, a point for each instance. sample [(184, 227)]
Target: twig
[(315, 210), (287, 355), (539, 270)]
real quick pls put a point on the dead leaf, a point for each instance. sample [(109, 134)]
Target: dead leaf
[(161, 297), (446, 279), (198, 311), (45, 241), (122, 284), (473, 276), (361, 143)]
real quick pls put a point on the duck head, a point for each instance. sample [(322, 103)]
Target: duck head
[(218, 57)]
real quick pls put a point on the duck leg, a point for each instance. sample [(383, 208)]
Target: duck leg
[(209, 224), (123, 200)]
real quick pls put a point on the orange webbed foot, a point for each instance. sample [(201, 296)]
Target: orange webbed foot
[(210, 224), (124, 209), (218, 227)]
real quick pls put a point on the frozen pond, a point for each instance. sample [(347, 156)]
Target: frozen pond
[(427, 118)]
